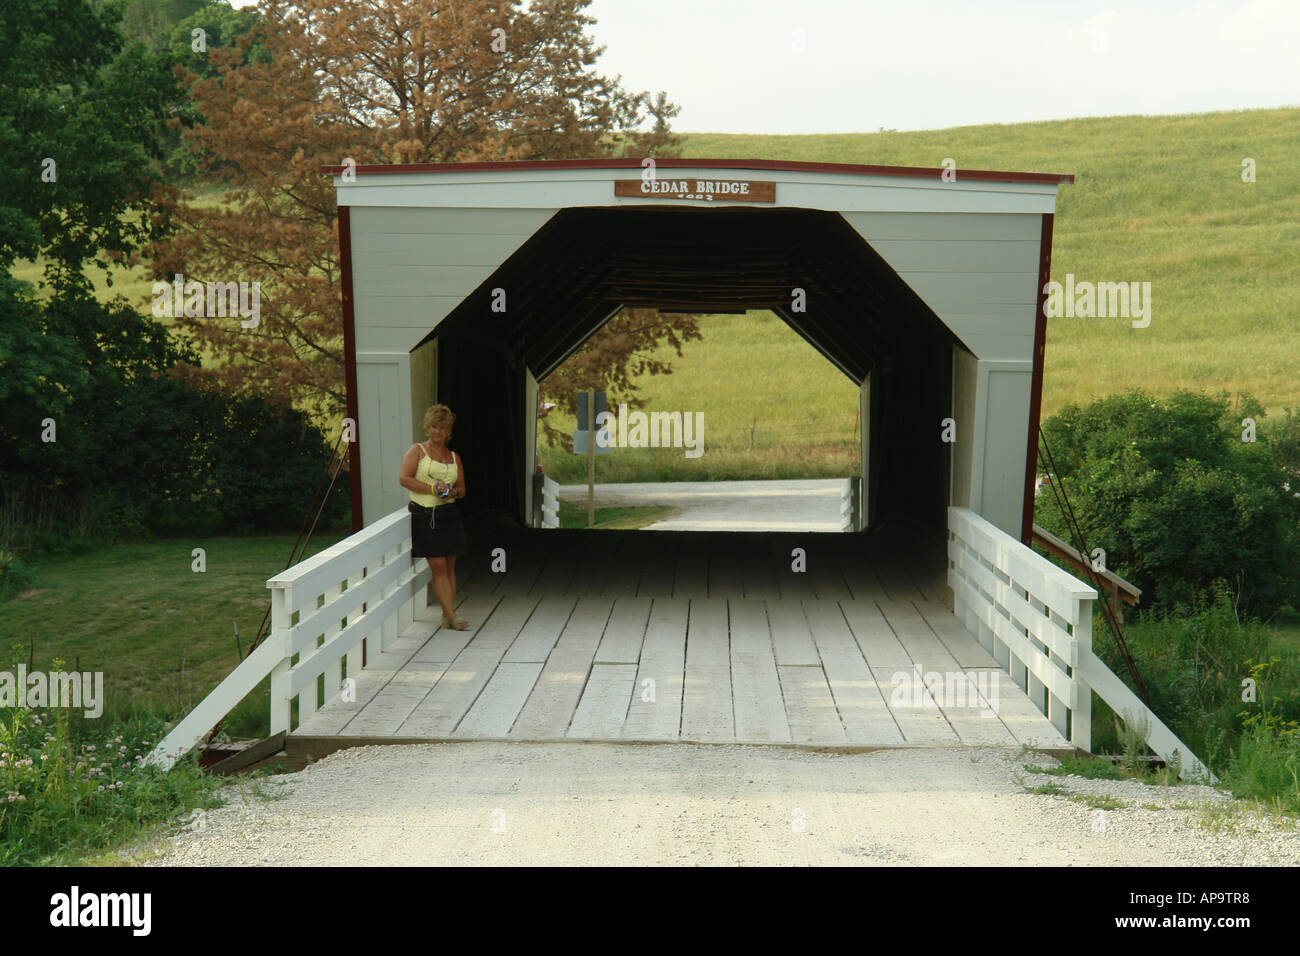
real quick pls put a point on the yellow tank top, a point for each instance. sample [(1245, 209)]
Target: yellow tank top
[(429, 471)]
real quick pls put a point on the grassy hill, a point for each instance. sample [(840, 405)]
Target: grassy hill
[(1156, 198)]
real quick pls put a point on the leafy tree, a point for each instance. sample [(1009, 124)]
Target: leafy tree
[(267, 467), (407, 82), (1177, 499), (80, 114), (610, 359)]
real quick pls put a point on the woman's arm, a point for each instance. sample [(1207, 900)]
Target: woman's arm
[(406, 474), (459, 487)]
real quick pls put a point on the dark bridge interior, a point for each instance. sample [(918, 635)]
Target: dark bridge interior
[(584, 265)]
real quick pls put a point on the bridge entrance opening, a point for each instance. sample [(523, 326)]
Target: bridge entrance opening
[(808, 268)]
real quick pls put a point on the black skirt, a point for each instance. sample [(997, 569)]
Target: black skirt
[(445, 537)]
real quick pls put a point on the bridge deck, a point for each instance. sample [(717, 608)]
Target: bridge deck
[(693, 637)]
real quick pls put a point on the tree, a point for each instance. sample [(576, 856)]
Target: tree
[(405, 81), (1178, 500), (610, 359), (80, 116)]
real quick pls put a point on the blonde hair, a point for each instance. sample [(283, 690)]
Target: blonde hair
[(439, 415)]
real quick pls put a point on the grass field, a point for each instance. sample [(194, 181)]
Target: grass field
[(162, 634), (1156, 199), (772, 406)]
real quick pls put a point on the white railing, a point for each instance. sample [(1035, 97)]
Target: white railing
[(366, 587), (850, 504), (550, 502), (1036, 621)]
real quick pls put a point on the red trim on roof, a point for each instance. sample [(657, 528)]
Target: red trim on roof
[(350, 364), (854, 169), (1036, 378)]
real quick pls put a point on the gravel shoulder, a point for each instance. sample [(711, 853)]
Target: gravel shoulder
[(492, 803)]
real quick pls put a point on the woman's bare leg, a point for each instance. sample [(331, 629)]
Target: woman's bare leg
[(451, 576), (443, 587)]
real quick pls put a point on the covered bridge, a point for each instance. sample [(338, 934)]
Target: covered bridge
[(468, 283), (922, 288)]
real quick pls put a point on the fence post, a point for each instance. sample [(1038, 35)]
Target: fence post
[(280, 698), (1081, 719)]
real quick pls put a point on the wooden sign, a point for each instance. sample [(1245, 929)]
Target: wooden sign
[(731, 190)]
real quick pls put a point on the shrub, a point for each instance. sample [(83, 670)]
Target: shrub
[(1178, 500), (269, 465)]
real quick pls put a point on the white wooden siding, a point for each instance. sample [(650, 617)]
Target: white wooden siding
[(977, 272)]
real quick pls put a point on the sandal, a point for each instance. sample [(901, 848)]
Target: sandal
[(459, 624)]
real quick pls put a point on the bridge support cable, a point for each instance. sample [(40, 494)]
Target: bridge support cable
[(1080, 543), (332, 469)]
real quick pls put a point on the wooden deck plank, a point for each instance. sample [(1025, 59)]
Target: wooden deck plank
[(621, 643), (542, 630), (603, 707), (915, 711), (866, 717), (825, 569), (386, 712), (627, 566), (896, 585), (758, 570), (495, 710), (452, 696), (446, 643), (791, 640), (549, 708), (860, 573), (874, 637), (501, 629), (656, 709), (524, 564), (726, 573), (691, 575), (755, 687), (810, 707), (792, 583), (706, 698), (660, 567), (965, 650), (925, 649), (558, 570), (336, 714)]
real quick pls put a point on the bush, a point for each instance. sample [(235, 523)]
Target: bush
[(15, 576), (268, 467), (1178, 500), (1193, 661)]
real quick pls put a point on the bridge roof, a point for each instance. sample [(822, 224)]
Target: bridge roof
[(770, 165)]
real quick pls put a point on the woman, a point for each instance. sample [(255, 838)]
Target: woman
[(435, 477)]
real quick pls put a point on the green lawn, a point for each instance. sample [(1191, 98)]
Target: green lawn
[(162, 634)]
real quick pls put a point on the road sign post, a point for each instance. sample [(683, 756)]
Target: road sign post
[(590, 405)]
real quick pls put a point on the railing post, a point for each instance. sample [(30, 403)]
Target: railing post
[(280, 698), (1081, 719)]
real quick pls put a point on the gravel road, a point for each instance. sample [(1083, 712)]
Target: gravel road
[(501, 803), (811, 504)]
